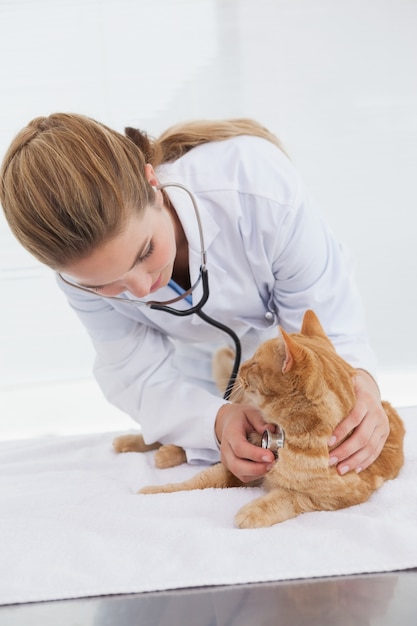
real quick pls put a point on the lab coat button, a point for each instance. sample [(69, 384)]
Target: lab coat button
[(269, 316)]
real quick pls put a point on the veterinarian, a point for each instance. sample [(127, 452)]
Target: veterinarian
[(96, 207)]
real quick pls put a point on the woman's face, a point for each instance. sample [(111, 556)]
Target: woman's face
[(139, 260)]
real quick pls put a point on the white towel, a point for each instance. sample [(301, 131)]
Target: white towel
[(71, 526)]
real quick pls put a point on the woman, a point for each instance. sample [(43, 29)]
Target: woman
[(88, 202)]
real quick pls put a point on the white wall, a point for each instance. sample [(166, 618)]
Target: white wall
[(335, 79)]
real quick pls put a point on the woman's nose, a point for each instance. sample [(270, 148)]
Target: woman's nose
[(138, 284)]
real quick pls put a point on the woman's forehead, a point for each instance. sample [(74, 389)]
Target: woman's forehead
[(111, 260)]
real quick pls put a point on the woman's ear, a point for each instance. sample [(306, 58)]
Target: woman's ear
[(150, 175)]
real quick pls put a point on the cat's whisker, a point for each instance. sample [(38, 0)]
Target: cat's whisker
[(223, 384), (237, 388)]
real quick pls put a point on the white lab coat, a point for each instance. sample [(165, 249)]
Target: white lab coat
[(269, 258)]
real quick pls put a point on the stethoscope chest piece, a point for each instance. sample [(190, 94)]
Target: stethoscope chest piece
[(273, 441)]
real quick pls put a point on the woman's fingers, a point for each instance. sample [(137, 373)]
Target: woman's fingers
[(362, 434), (245, 460)]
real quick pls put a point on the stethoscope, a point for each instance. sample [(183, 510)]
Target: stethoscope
[(193, 310)]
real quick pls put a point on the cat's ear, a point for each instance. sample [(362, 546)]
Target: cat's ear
[(311, 326), (293, 352)]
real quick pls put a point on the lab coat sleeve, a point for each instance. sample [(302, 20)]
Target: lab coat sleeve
[(135, 370), (313, 271)]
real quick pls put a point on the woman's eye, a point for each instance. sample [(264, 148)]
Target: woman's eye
[(147, 253)]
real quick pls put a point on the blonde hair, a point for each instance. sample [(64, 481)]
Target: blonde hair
[(69, 183), (179, 139)]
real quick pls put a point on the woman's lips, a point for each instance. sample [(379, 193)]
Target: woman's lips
[(156, 284)]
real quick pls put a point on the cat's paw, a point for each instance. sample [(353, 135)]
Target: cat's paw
[(251, 516), (127, 443), (272, 508), (133, 443), (170, 456)]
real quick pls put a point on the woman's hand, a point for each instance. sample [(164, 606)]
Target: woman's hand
[(369, 425), (234, 423)]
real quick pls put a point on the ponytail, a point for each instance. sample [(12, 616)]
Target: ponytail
[(179, 139)]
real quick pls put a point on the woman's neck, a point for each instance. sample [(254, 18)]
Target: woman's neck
[(181, 273)]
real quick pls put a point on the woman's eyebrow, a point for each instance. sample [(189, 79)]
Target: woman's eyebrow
[(137, 258)]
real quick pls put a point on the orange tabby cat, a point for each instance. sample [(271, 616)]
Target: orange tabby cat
[(302, 386)]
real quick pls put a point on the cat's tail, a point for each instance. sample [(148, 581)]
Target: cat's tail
[(214, 476), (222, 367)]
